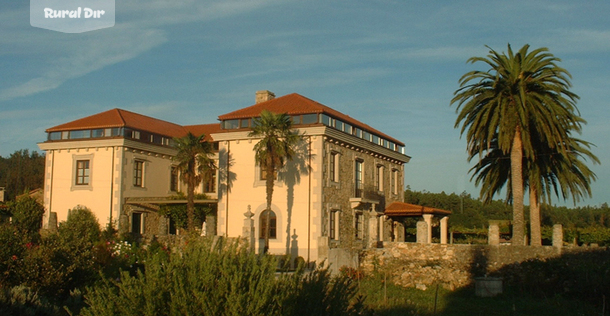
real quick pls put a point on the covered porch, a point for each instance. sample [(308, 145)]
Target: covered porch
[(400, 210)]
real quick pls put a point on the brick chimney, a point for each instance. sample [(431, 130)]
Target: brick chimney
[(264, 95)]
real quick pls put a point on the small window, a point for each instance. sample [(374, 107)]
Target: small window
[(171, 229), (375, 139), (109, 132), (333, 225), (358, 178), (366, 135), (80, 134), (395, 177), (348, 128), (309, 119), (333, 167), (138, 174), (339, 125), (137, 221), (326, 120), (230, 124), (82, 172), (272, 224), (379, 178), (244, 123), (97, 133), (55, 136), (296, 119), (173, 180)]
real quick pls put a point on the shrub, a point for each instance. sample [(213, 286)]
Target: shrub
[(12, 250), (207, 278), (20, 300), (80, 226), (27, 216)]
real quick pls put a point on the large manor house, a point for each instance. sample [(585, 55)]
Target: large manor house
[(342, 192)]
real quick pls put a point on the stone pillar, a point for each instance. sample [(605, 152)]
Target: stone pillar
[(444, 221), (493, 234), (428, 220), (248, 228), (381, 223), (422, 232), (53, 222), (558, 236), (210, 225), (373, 230)]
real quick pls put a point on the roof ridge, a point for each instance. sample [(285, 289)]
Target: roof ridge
[(120, 115)]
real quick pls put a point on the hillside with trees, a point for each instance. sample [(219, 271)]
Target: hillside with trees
[(584, 224), (20, 172)]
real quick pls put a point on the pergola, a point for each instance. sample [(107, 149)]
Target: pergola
[(400, 210)]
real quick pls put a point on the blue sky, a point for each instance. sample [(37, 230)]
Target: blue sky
[(391, 64)]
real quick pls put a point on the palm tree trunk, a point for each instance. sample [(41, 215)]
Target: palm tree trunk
[(190, 204), (269, 184), (516, 176), (536, 236)]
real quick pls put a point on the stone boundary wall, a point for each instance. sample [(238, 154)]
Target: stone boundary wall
[(452, 265)]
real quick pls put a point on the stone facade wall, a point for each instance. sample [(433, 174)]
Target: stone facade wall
[(337, 195), (452, 265)]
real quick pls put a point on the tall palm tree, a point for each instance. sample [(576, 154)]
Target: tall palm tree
[(276, 146), (195, 163), (564, 174), (552, 173), (521, 92)]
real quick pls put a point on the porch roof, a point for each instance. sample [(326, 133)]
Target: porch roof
[(401, 209)]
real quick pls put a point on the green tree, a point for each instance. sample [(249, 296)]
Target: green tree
[(564, 174), (195, 163), (276, 146), (551, 173), (21, 171), (520, 93)]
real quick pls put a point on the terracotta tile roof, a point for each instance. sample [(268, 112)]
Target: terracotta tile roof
[(294, 104), (406, 209), (206, 129), (123, 118)]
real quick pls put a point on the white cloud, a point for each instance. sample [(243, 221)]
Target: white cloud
[(71, 56)]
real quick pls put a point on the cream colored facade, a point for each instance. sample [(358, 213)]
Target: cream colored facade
[(305, 197), (328, 201), (111, 176)]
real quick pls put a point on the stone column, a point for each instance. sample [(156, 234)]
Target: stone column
[(493, 234), (373, 229), (53, 222), (381, 223), (444, 221), (558, 236), (428, 220), (248, 228), (210, 222), (422, 232)]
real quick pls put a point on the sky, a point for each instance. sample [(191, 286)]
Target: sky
[(393, 65)]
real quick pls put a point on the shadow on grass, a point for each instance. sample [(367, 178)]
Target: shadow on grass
[(575, 283)]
